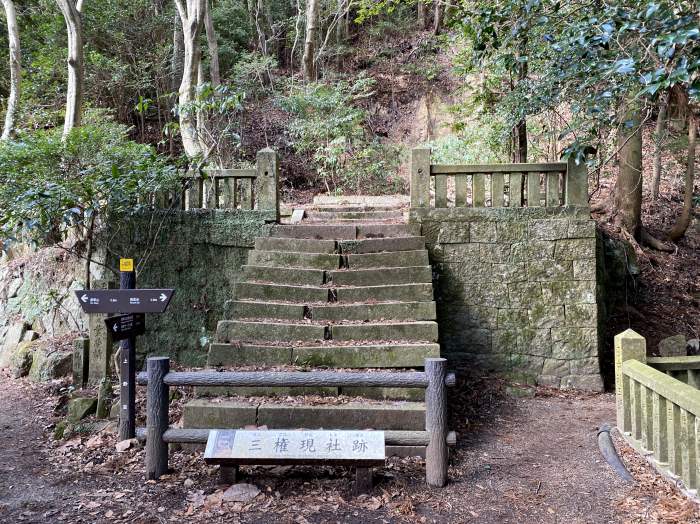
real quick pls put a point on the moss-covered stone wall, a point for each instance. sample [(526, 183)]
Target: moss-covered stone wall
[(516, 291), (200, 254)]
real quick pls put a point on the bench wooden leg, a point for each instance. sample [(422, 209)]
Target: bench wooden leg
[(363, 480), (228, 474)]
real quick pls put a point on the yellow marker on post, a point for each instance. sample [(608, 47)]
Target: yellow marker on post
[(126, 264)]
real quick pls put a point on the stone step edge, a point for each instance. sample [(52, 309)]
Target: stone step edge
[(327, 274), (345, 246), (389, 355), (331, 287), (406, 415)]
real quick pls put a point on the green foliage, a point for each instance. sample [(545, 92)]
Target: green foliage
[(52, 188), (252, 74), (592, 61), (330, 127)]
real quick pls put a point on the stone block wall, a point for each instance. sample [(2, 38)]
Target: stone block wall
[(516, 291), (200, 254)]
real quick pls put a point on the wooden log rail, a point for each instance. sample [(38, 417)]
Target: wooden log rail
[(657, 413), (213, 188), (435, 379), (496, 185)]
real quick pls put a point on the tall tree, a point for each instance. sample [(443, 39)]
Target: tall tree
[(213, 47), (659, 133), (627, 197), (683, 221), (15, 68), (192, 14), (309, 58), (72, 12)]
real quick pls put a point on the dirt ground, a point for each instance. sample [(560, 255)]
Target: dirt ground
[(518, 460)]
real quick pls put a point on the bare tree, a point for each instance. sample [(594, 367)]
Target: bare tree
[(422, 15), (309, 60), (683, 221), (192, 13), (15, 68), (74, 96), (659, 133), (213, 46), (439, 13)]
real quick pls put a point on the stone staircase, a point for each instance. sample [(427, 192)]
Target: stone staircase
[(348, 287)]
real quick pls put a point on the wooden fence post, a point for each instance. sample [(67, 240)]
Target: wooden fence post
[(267, 187), (576, 184), (157, 400), (629, 345), (420, 177), (436, 454)]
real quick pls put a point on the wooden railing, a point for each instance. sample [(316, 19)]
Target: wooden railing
[(252, 188), (435, 379), (656, 413), (496, 185)]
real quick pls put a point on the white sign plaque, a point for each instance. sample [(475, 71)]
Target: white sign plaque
[(295, 447)]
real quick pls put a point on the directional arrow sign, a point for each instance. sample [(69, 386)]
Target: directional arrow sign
[(124, 300), (125, 326)]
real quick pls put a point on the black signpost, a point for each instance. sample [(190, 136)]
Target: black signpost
[(132, 304), (122, 327)]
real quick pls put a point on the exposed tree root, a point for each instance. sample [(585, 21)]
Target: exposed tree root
[(647, 239)]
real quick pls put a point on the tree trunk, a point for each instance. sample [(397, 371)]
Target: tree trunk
[(192, 18), (627, 200), (658, 139), (683, 222), (74, 95), (308, 60), (15, 69), (422, 16), (213, 47), (437, 21), (520, 133)]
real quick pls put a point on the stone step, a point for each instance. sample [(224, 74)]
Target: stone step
[(354, 207), (420, 330), (332, 216), (362, 200), (380, 311), (262, 291), (315, 231), (387, 230), (367, 245), (380, 276), (389, 355), (345, 231), (398, 292), (376, 245), (335, 312), (294, 276), (269, 331), (299, 245), (413, 394), (387, 260), (293, 259), (351, 294), (231, 414), (234, 330), (256, 309)]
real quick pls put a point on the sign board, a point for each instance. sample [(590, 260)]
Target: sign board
[(126, 264), (125, 326), (341, 447), (124, 300)]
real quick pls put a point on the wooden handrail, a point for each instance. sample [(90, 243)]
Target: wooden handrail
[(448, 169), (684, 396)]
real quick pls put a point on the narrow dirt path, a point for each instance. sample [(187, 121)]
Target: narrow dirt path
[(535, 461)]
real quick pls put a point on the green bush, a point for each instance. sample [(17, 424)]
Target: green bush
[(329, 126), (52, 188)]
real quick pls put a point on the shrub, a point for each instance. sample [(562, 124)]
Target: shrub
[(52, 188), (329, 127)]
